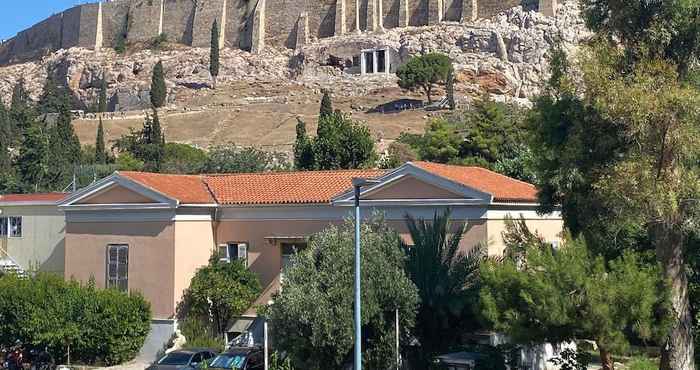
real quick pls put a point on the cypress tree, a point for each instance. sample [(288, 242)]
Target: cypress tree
[(65, 148), (214, 53), (450, 87), (33, 162), (326, 105), (153, 143), (100, 153), (303, 148), (158, 89), (102, 99)]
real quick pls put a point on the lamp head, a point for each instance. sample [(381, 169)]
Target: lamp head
[(359, 181)]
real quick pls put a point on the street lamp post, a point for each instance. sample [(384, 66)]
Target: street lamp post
[(358, 183)]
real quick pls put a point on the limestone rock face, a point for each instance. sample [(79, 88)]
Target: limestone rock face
[(504, 56)]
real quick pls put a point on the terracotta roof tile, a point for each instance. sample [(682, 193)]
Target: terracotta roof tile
[(284, 187), (502, 188), (188, 189), (36, 197)]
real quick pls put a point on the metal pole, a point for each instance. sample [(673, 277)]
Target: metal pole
[(358, 315), (398, 352), (266, 350)]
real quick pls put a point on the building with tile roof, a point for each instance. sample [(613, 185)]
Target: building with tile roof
[(151, 232)]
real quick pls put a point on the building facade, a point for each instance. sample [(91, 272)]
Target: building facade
[(151, 232), (32, 233)]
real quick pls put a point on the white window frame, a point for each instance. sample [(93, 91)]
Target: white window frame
[(114, 283), (10, 232), (241, 252)]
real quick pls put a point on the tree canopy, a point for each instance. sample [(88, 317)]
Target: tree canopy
[(312, 315), (159, 91), (558, 295), (425, 71)]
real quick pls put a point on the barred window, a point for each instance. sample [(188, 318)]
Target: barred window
[(118, 267)]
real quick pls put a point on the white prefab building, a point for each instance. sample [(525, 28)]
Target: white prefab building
[(375, 61), (32, 233)]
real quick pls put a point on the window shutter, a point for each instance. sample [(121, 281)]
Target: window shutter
[(223, 253), (243, 253)]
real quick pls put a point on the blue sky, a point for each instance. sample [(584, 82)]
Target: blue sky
[(20, 14)]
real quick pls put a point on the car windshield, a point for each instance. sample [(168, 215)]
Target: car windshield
[(229, 361), (175, 359)]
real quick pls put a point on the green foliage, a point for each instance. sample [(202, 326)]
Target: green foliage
[(277, 363), (303, 148), (146, 145), (100, 152), (570, 359), (555, 296), (642, 363), (200, 334), (159, 41), (34, 159), (234, 159), (326, 105), (214, 52), (218, 293), (312, 315), (447, 280), (648, 29), (54, 98), (183, 158), (424, 71), (99, 326), (127, 162), (159, 92), (340, 143), (489, 134)]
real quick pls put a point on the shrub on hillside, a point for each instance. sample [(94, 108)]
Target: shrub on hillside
[(97, 326)]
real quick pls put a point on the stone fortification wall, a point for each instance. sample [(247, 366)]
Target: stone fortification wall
[(178, 19), (145, 17), (245, 24)]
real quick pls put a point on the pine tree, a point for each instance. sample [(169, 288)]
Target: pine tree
[(34, 157), (54, 98), (303, 149), (100, 153), (450, 87), (326, 105), (102, 99), (65, 149), (158, 88), (214, 53), (21, 114)]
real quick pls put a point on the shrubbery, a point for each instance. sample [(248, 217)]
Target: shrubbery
[(97, 326)]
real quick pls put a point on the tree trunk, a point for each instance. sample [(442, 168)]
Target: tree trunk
[(606, 358), (677, 353), (428, 90)]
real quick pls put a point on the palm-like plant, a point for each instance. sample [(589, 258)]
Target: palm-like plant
[(447, 280)]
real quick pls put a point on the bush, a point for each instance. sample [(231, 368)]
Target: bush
[(97, 326), (642, 363)]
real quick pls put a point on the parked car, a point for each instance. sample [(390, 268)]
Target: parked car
[(184, 359), (239, 358)]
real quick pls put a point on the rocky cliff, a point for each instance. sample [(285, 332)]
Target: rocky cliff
[(505, 56)]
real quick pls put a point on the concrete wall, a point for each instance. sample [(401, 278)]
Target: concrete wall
[(42, 245), (178, 18), (194, 244)]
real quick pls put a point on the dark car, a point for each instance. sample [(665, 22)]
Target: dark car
[(184, 359), (241, 358)]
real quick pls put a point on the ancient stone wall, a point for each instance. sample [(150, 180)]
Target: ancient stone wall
[(178, 19), (114, 22), (144, 20), (246, 24)]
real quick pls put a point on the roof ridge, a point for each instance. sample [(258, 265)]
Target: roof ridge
[(292, 172), (477, 168)]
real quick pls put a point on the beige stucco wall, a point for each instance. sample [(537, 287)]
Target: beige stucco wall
[(265, 256), (549, 229), (116, 194), (411, 188), (194, 244), (41, 246), (151, 257)]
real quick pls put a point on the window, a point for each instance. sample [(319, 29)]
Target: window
[(288, 251), (381, 61), (3, 226), (15, 227), (369, 62), (118, 267), (234, 251)]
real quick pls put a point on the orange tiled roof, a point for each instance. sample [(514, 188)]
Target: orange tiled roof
[(188, 189), (36, 197), (502, 188), (284, 187)]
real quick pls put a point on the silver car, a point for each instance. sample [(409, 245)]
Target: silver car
[(184, 359)]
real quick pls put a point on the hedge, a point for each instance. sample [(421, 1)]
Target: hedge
[(98, 326)]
